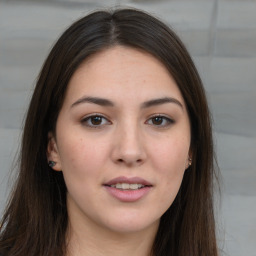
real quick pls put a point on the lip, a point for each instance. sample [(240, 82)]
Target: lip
[(128, 195)]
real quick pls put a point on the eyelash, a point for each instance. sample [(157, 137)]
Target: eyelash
[(89, 119), (168, 121)]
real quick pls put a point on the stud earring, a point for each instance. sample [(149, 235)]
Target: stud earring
[(190, 161), (51, 163)]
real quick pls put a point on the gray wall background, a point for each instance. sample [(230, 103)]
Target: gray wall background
[(220, 35)]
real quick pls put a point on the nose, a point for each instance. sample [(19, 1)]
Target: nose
[(129, 148)]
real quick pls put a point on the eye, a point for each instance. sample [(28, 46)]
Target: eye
[(160, 120), (95, 121)]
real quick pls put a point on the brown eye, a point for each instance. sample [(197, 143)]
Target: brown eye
[(157, 120), (161, 121), (95, 121)]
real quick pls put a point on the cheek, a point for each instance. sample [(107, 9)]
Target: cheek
[(82, 158), (172, 154), (79, 167), (170, 159)]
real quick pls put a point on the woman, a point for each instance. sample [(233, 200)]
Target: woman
[(117, 154)]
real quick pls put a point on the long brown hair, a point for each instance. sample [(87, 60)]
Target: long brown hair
[(35, 220)]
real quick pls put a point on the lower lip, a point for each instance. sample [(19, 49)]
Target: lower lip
[(128, 195)]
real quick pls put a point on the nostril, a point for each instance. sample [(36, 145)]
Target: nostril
[(129, 162)]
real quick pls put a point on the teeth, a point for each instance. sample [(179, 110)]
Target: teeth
[(127, 186), (134, 186)]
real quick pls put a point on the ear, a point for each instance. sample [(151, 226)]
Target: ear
[(52, 152), (189, 159)]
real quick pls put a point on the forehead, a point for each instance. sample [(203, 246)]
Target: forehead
[(125, 72), (118, 57)]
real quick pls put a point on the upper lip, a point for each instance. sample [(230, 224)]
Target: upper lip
[(132, 180)]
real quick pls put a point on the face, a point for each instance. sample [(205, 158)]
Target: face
[(122, 141)]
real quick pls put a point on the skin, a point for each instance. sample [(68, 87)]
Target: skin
[(128, 140)]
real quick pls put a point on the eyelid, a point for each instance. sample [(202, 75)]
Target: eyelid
[(165, 117), (87, 117)]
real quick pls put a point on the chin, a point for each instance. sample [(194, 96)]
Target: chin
[(132, 224)]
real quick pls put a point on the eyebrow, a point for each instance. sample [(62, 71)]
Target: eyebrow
[(108, 103), (161, 101), (95, 100)]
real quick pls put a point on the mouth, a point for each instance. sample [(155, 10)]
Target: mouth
[(128, 186), (128, 189), (124, 183)]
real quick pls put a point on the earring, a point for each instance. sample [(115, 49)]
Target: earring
[(51, 163), (190, 161)]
